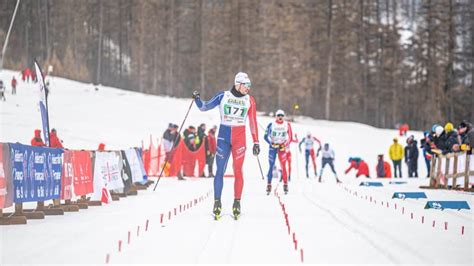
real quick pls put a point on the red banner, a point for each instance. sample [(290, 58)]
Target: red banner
[(186, 159), (146, 161), (82, 168), (67, 175)]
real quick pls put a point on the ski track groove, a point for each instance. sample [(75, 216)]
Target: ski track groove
[(366, 236)]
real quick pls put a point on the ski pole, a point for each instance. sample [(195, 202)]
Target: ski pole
[(174, 142), (260, 166)]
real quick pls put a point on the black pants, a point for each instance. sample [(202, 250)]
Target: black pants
[(210, 163), (397, 165), (331, 164), (413, 168)]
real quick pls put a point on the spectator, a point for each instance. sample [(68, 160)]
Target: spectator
[(201, 139), (201, 136), (2, 91), (101, 147), (403, 129), (439, 145), (168, 137), (466, 133), (406, 152), (27, 74), (411, 157), (452, 138), (190, 138), (37, 140), (14, 83), (396, 155), (211, 153), (358, 164), (54, 141), (383, 168), (426, 147)]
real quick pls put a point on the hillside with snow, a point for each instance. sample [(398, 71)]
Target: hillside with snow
[(332, 223)]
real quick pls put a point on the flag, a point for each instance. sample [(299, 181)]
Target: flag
[(43, 103)]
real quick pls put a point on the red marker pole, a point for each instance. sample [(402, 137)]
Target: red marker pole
[(129, 237), (161, 218), (120, 246), (107, 258), (146, 225), (301, 255), (462, 230), (296, 244)]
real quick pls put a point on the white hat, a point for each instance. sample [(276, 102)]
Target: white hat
[(280, 112), (439, 130), (241, 77)]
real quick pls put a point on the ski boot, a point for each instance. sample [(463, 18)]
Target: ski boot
[(285, 188), (269, 189), (217, 209), (236, 209), (319, 180), (337, 180)]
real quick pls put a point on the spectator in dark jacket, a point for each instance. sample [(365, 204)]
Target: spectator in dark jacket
[(466, 133), (426, 147), (37, 140), (190, 138), (413, 159), (439, 141), (170, 135), (201, 139), (211, 153), (452, 138), (54, 141)]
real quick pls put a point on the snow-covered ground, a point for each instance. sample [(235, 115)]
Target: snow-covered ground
[(332, 223)]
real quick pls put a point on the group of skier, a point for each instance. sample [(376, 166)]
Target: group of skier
[(236, 105)]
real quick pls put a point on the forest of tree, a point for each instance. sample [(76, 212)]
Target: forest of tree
[(379, 62)]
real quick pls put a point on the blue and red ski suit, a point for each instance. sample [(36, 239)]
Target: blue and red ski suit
[(279, 136), (234, 110)]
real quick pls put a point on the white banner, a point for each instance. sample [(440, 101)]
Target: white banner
[(107, 175), (135, 167)]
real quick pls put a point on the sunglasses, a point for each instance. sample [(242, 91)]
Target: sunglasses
[(280, 115), (247, 84)]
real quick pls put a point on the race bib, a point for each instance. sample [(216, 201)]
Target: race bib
[(279, 133), (234, 110)]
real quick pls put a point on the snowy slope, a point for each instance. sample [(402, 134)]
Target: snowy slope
[(330, 222)]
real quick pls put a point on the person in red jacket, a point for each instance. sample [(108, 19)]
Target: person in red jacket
[(211, 153), (14, 82), (27, 74), (37, 140), (358, 164), (54, 141), (101, 147)]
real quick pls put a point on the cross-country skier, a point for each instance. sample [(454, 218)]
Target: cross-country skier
[(288, 156), (328, 158), (235, 106), (309, 151), (278, 135)]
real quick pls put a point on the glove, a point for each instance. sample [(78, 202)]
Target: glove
[(196, 95), (275, 146), (317, 154), (282, 147), (256, 149)]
